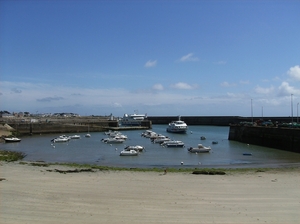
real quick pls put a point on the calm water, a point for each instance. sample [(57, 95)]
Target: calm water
[(93, 151)]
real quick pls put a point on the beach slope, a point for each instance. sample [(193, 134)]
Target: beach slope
[(32, 194)]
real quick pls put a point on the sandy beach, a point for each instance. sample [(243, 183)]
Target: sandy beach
[(32, 194)]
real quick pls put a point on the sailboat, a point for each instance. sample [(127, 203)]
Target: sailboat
[(88, 135)]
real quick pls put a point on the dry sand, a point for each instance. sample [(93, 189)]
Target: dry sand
[(30, 194)]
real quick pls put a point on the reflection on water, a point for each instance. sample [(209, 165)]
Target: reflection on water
[(93, 151)]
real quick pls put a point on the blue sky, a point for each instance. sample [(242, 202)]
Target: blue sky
[(204, 58)]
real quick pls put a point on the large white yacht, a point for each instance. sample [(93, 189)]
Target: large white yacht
[(178, 126), (133, 119)]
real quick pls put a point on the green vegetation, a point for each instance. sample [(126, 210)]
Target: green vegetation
[(10, 156)]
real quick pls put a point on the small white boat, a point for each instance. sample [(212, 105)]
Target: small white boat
[(148, 134), (12, 139), (129, 153), (137, 148), (113, 140), (88, 135), (199, 149), (60, 139), (75, 137), (161, 139), (173, 143)]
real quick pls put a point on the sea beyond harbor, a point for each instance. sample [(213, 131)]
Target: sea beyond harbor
[(227, 154)]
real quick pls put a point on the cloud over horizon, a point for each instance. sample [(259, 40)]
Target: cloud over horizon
[(188, 57), (150, 63)]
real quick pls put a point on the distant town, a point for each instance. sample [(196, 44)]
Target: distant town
[(7, 114)]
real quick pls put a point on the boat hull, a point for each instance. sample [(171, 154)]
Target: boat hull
[(12, 140), (129, 153), (179, 131)]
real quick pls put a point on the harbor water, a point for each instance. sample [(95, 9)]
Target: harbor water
[(92, 151)]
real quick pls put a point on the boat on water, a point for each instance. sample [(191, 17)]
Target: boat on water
[(75, 136), (113, 140), (178, 126), (173, 143), (160, 139), (132, 119), (129, 153), (60, 139), (199, 149), (137, 148), (88, 135), (12, 139)]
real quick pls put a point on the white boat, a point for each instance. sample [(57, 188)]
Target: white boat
[(173, 143), (88, 135), (113, 140), (75, 136), (160, 139), (133, 119), (112, 133), (137, 148), (12, 139), (60, 139), (129, 153), (199, 149), (178, 126), (148, 134)]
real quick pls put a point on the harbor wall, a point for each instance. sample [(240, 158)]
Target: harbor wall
[(71, 127), (287, 139), (213, 120)]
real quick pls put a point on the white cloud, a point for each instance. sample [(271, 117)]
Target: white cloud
[(182, 85), (158, 86), (188, 57), (262, 90), (285, 89), (294, 72), (227, 84), (150, 63), (117, 104)]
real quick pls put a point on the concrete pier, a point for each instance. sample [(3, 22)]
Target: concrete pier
[(287, 139)]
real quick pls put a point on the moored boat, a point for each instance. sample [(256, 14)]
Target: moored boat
[(173, 143), (12, 139), (60, 139), (133, 119), (113, 140), (199, 149), (178, 126), (75, 136), (129, 153), (137, 148)]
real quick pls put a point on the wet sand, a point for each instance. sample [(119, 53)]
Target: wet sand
[(31, 194)]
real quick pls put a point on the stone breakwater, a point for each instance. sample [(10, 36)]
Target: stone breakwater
[(287, 139)]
